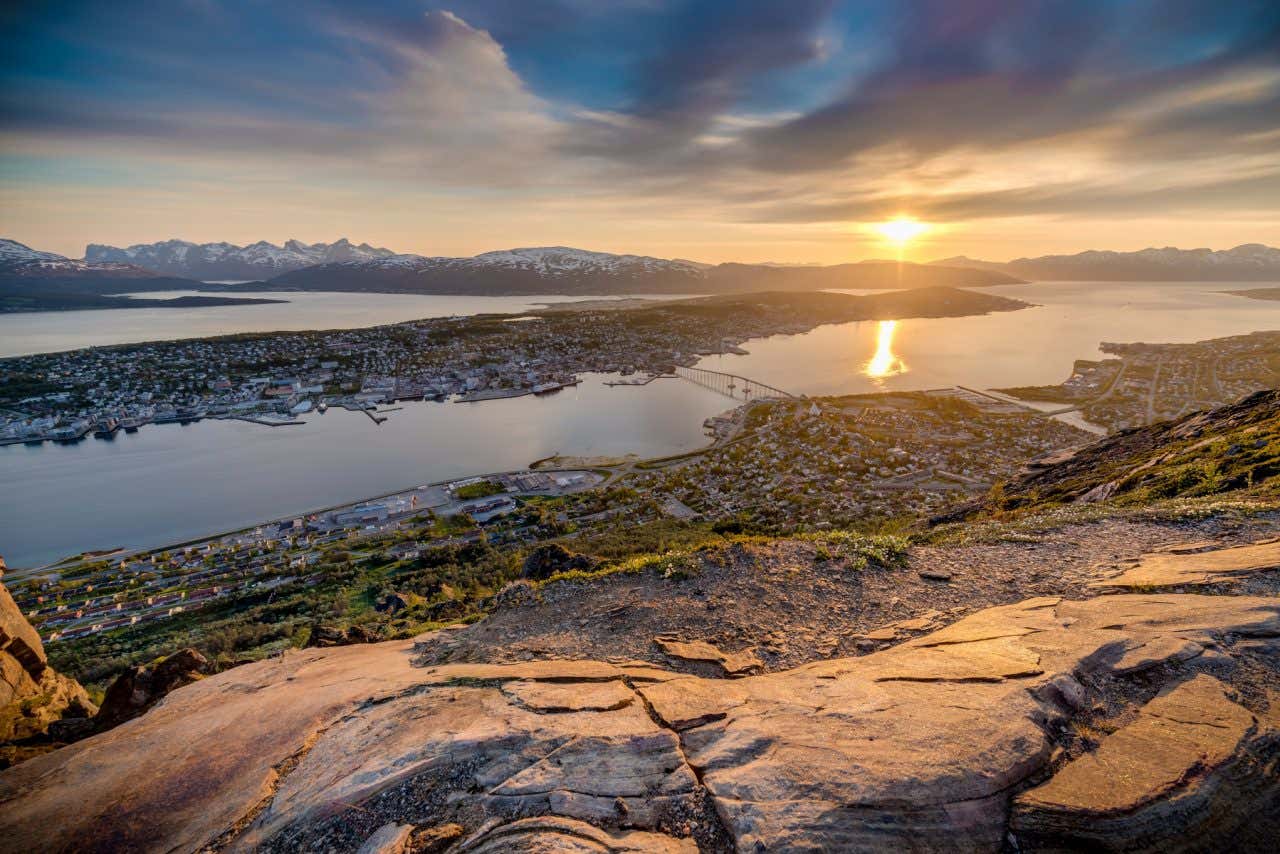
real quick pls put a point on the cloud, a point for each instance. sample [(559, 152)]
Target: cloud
[(460, 114), (751, 114)]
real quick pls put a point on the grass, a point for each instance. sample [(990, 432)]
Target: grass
[(483, 489), (858, 550)]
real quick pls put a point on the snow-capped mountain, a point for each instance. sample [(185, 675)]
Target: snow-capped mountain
[(13, 252), (564, 270), (559, 260), (1251, 262), (17, 260), (531, 270), (224, 261)]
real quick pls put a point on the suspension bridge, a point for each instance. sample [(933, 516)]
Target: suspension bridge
[(731, 385)]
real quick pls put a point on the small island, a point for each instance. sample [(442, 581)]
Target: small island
[(1272, 294), (34, 301)]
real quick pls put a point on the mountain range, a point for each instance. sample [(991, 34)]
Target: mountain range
[(35, 280), (214, 261), (18, 260), (563, 270), (345, 266), (1249, 262)]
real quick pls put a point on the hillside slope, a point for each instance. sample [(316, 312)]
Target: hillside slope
[(1029, 685), (1235, 447), (980, 724), (563, 270), (1250, 262)]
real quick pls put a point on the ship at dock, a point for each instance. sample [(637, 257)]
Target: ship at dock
[(105, 428)]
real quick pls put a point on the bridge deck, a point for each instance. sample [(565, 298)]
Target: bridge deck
[(731, 385)]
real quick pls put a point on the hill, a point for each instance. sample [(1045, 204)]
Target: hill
[(1031, 683), (563, 270), (1233, 448), (1250, 262)]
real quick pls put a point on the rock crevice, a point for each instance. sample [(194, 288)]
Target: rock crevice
[(947, 741)]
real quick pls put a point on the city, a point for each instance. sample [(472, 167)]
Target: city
[(273, 379), (640, 427), (1153, 382)]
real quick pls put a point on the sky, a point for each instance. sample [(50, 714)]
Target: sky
[(716, 130)]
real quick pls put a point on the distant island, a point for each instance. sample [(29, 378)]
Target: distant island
[(16, 301), (1272, 294)]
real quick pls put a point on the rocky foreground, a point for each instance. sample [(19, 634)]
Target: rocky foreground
[(1146, 717), (33, 696)]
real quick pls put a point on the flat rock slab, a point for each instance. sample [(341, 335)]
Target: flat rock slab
[(916, 747), (543, 670), (554, 835), (388, 839), (1173, 567), (574, 697), (732, 663), (1172, 779)]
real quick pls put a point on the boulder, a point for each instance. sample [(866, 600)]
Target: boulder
[(325, 636), (141, 687), (545, 834), (388, 839), (449, 609), (32, 695), (1190, 564), (393, 603), (547, 560), (1192, 771), (730, 663)]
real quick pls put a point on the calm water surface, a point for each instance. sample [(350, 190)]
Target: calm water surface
[(55, 331), (169, 483), (1035, 346)]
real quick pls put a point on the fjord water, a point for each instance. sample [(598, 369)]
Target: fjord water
[(169, 483), (1034, 346), (55, 331)]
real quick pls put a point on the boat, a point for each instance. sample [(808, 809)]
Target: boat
[(105, 428), (131, 425), (543, 388)]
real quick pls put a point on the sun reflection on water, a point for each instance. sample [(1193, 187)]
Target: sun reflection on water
[(884, 363)]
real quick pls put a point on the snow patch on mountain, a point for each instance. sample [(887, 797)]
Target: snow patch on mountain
[(227, 260), (545, 261), (13, 252)]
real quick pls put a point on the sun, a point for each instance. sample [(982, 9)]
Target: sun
[(901, 229)]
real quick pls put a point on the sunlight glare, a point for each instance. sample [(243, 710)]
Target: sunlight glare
[(902, 229), (884, 363)]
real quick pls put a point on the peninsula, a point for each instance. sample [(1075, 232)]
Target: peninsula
[(67, 396)]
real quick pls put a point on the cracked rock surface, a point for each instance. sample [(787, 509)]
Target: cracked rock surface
[(1150, 715)]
